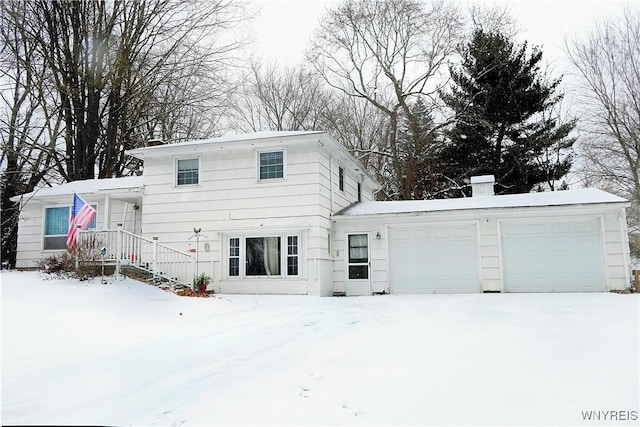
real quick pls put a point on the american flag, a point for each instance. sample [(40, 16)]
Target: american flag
[(81, 214)]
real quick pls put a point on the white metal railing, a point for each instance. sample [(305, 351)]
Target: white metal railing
[(128, 249)]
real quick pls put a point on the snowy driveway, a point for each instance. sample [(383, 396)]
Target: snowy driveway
[(122, 354)]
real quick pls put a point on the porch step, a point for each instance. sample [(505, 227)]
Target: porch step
[(144, 276)]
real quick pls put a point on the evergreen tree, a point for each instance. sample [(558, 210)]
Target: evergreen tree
[(502, 105), (418, 154)]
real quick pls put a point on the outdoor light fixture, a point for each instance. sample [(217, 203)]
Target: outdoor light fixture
[(378, 235)]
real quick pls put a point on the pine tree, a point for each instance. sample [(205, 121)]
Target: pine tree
[(418, 154), (503, 125)]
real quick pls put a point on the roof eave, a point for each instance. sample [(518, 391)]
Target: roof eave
[(344, 213), (209, 145)]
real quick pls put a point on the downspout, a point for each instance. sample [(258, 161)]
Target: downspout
[(124, 215), (331, 182), (134, 218), (624, 239)]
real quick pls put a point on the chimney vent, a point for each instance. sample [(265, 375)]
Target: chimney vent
[(153, 142), (482, 185)]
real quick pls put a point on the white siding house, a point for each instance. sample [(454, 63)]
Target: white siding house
[(294, 213)]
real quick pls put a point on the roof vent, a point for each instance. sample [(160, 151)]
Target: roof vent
[(482, 185)]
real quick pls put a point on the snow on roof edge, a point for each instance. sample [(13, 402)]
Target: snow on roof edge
[(241, 137), (88, 186), (587, 196)]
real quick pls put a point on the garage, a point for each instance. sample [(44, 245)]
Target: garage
[(434, 259), (552, 256)]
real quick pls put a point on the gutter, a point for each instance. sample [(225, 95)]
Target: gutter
[(569, 208)]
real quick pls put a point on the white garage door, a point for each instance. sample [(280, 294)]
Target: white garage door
[(552, 256), (434, 260)]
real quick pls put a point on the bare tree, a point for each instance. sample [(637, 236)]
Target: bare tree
[(608, 64), (28, 132), (114, 66), (388, 53), (363, 130), (275, 98), (493, 18)]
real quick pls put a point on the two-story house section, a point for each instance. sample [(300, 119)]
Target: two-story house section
[(263, 201)]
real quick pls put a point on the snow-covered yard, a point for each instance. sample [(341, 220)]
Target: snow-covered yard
[(128, 353)]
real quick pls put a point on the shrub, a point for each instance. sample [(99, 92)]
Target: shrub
[(61, 265), (87, 252)]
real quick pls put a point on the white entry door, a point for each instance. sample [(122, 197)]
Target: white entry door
[(552, 256), (358, 265), (434, 259)]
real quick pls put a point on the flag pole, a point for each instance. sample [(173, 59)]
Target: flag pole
[(75, 247)]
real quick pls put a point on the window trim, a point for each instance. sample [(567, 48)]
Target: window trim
[(292, 256), (283, 150), (69, 208), (175, 171), (284, 256), (230, 257)]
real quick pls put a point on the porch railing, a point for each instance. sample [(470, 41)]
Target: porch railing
[(128, 249)]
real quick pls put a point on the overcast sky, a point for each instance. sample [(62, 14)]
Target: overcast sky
[(283, 28)]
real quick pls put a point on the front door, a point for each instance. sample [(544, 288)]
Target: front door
[(358, 265)]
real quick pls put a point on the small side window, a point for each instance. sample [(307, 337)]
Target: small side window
[(341, 179), (234, 256), (292, 255), (187, 171)]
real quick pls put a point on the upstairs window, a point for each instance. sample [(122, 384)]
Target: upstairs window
[(341, 179), (359, 192), (271, 165), (188, 171)]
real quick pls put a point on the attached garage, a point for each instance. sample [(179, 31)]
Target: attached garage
[(562, 241), (552, 256), (434, 259)]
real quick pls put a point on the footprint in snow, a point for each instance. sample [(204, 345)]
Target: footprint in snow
[(304, 392), (355, 412)]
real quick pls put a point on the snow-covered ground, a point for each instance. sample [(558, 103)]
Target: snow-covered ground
[(127, 353)]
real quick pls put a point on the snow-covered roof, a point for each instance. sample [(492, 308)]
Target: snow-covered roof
[(141, 152), (89, 186), (552, 198)]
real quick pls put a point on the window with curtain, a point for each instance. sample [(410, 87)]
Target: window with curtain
[(188, 171), (262, 256), (56, 227)]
